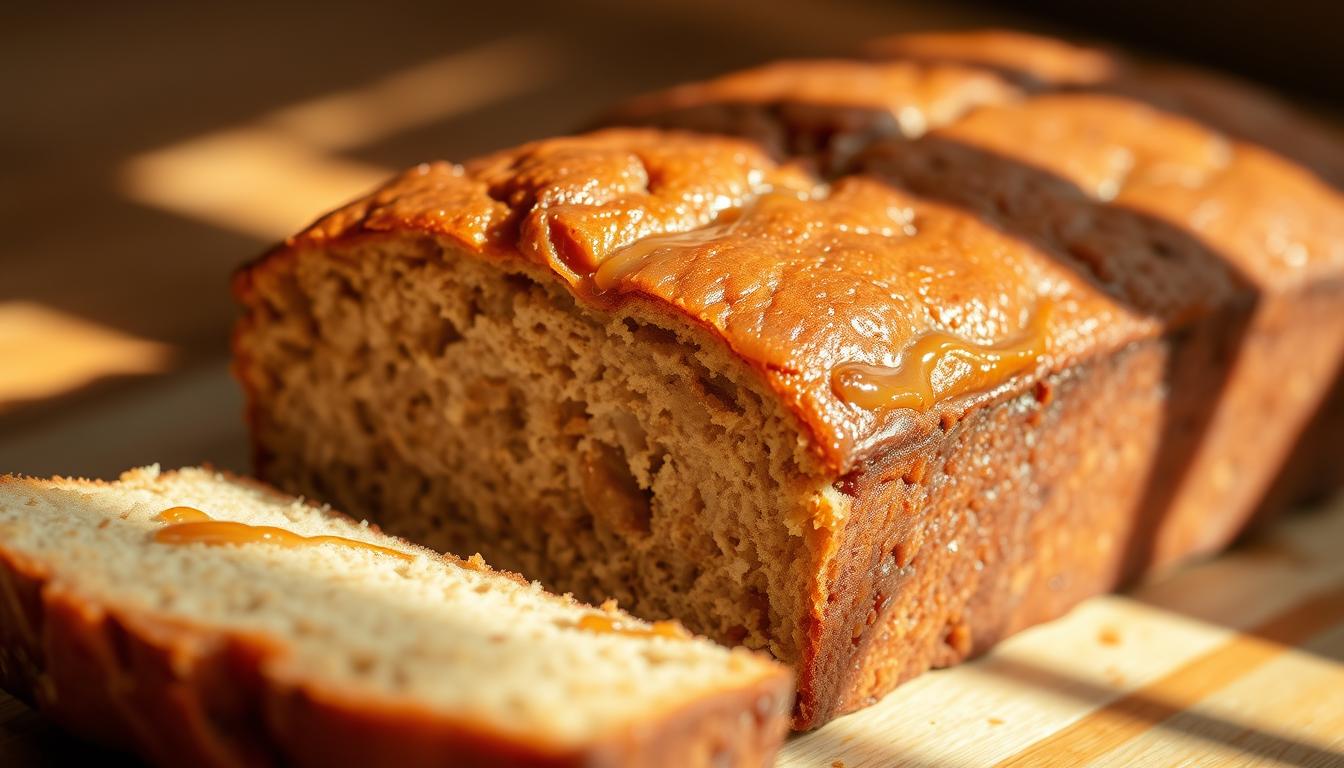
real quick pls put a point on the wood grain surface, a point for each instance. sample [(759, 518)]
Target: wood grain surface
[(148, 149)]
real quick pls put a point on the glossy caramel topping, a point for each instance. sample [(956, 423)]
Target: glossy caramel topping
[(187, 525), (620, 265), (941, 365), (604, 624), (181, 515)]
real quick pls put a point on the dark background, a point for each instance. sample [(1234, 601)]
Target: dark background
[(1294, 46)]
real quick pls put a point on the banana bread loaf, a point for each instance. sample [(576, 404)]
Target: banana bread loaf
[(207, 621), (906, 373)]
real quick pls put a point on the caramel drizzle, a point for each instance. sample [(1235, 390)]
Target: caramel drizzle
[(620, 265), (188, 525), (603, 624), (939, 365)]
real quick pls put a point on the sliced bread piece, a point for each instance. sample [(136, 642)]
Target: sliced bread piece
[(200, 619)]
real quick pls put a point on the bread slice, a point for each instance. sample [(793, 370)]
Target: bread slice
[(359, 649)]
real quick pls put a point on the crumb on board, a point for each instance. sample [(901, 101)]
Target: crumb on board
[(995, 721), (837, 764), (1108, 636)]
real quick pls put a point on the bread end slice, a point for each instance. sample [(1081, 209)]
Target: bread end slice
[(355, 648)]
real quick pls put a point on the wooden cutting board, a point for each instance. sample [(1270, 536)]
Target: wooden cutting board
[(1238, 661)]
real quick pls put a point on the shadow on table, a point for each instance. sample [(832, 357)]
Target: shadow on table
[(1116, 722)]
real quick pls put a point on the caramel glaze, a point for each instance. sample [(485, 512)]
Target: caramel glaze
[(188, 525), (939, 365), (604, 624)]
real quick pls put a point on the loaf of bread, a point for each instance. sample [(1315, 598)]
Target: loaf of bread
[(205, 621), (869, 364)]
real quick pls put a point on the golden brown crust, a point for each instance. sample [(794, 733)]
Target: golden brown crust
[(824, 109), (585, 207), (179, 693)]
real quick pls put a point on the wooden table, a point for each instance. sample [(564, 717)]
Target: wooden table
[(154, 149)]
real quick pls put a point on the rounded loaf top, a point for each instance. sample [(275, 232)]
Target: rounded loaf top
[(890, 242), (795, 275)]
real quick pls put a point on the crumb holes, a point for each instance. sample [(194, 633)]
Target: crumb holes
[(719, 391), (364, 417), (757, 610), (656, 463), (611, 493), (654, 336), (442, 336), (295, 351), (519, 283), (344, 288), (572, 418), (735, 634)]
